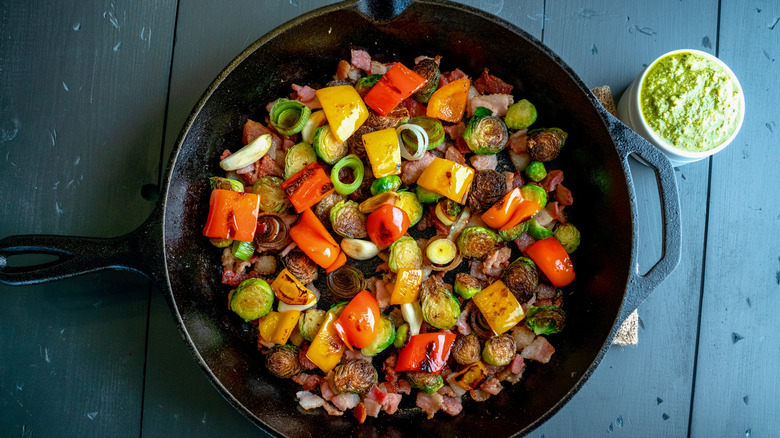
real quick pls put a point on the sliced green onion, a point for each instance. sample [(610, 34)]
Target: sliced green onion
[(243, 250), (353, 162), (422, 141), (247, 154), (289, 116), (433, 128)]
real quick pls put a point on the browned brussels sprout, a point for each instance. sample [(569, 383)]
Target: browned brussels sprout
[(301, 266), (429, 70), (423, 381), (347, 220), (487, 188), (499, 350), (545, 144), (475, 242), (545, 320), (356, 375), (521, 278), (466, 349), (485, 134), (282, 361)]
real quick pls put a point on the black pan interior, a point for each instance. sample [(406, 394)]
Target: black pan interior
[(307, 52)]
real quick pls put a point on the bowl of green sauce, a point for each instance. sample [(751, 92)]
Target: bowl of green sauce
[(688, 103)]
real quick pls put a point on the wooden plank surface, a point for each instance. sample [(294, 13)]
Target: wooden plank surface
[(737, 378), (81, 113)]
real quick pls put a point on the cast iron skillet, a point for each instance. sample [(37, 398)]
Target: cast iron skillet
[(170, 249)]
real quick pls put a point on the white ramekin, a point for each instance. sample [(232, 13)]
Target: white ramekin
[(630, 113)]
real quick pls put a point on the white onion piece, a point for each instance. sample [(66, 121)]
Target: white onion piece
[(459, 224), (412, 313), (359, 249), (247, 154), (422, 141), (283, 307)]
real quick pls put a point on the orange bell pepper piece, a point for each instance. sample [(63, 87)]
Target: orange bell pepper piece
[(314, 240), (510, 211), (308, 187), (550, 256), (232, 215), (290, 290), (407, 286), (448, 103)]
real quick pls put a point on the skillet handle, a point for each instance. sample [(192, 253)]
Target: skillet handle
[(138, 251), (629, 142)]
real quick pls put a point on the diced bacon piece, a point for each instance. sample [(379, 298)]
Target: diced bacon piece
[(563, 195), (403, 387), (463, 320), (479, 395), (419, 59), (360, 412), (545, 291), (452, 405), (411, 170), (475, 270), (415, 108), (540, 350), (373, 407), (307, 381), (233, 268), (489, 84), (355, 354), (518, 141), (455, 131), (252, 130), (361, 59), (453, 154), (226, 153), (517, 365), (332, 410), (556, 211), (429, 403), (484, 162), (448, 77), (265, 166), (325, 389), (524, 241), (551, 181), (496, 261), (346, 71), (307, 400), (345, 401), (460, 143), (305, 95), (377, 68), (498, 103), (491, 386), (383, 293), (391, 403)]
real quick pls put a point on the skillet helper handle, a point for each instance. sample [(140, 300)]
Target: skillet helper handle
[(639, 286), (138, 251)]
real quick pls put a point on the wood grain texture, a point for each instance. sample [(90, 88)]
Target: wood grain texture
[(653, 396), (81, 113), (737, 380)]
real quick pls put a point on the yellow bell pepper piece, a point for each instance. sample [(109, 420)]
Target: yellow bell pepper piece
[(326, 349), (470, 377), (267, 325), (290, 290), (344, 109), (383, 152), (448, 179), (499, 306), (407, 286), (285, 325)]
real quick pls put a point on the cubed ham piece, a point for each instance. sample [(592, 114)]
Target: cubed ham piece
[(540, 350), (484, 162), (411, 170), (453, 154), (361, 59), (305, 95), (489, 84), (551, 181), (563, 195), (347, 72), (498, 103), (495, 261), (455, 131), (491, 386), (429, 403), (383, 293)]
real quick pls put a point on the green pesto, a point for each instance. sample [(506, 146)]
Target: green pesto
[(690, 101)]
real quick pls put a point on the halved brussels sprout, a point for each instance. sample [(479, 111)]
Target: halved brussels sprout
[(439, 307), (545, 144), (485, 134), (537, 231), (432, 127), (534, 193), (429, 70), (310, 322), (327, 147), (385, 184), (475, 242), (466, 285), (405, 254), (252, 299), (272, 197), (499, 350), (520, 115), (427, 382), (487, 188), (514, 232), (347, 220), (282, 361), (298, 157), (408, 202), (545, 320), (569, 236), (521, 278), (220, 183), (427, 196)]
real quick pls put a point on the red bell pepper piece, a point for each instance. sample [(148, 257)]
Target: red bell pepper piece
[(232, 215), (394, 86), (426, 352), (358, 322), (314, 240), (387, 224), (550, 256), (308, 187)]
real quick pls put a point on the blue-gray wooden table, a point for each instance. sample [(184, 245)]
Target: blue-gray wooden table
[(93, 94)]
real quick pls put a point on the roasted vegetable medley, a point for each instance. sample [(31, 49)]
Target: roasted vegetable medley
[(444, 186)]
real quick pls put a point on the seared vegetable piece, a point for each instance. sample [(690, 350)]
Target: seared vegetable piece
[(290, 290), (309, 324), (252, 299), (433, 129), (466, 349), (439, 307), (408, 202), (487, 188), (327, 147), (385, 335), (551, 258), (401, 335), (569, 236), (545, 320), (301, 266), (511, 210), (427, 382), (243, 250), (389, 183), (485, 134), (499, 350), (282, 361), (448, 103), (537, 231), (447, 178), (272, 197), (217, 182), (350, 162), (220, 243), (427, 196), (383, 152), (322, 209), (365, 83), (359, 249), (441, 251), (247, 154), (394, 86), (386, 224), (346, 282), (447, 211), (475, 242), (326, 349), (308, 187), (499, 307), (536, 171), (356, 375), (232, 215), (344, 109), (272, 232), (514, 232), (347, 220), (521, 278), (289, 116), (545, 144), (466, 285), (407, 286), (316, 119), (429, 70), (520, 115), (405, 254), (470, 377), (535, 194)]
